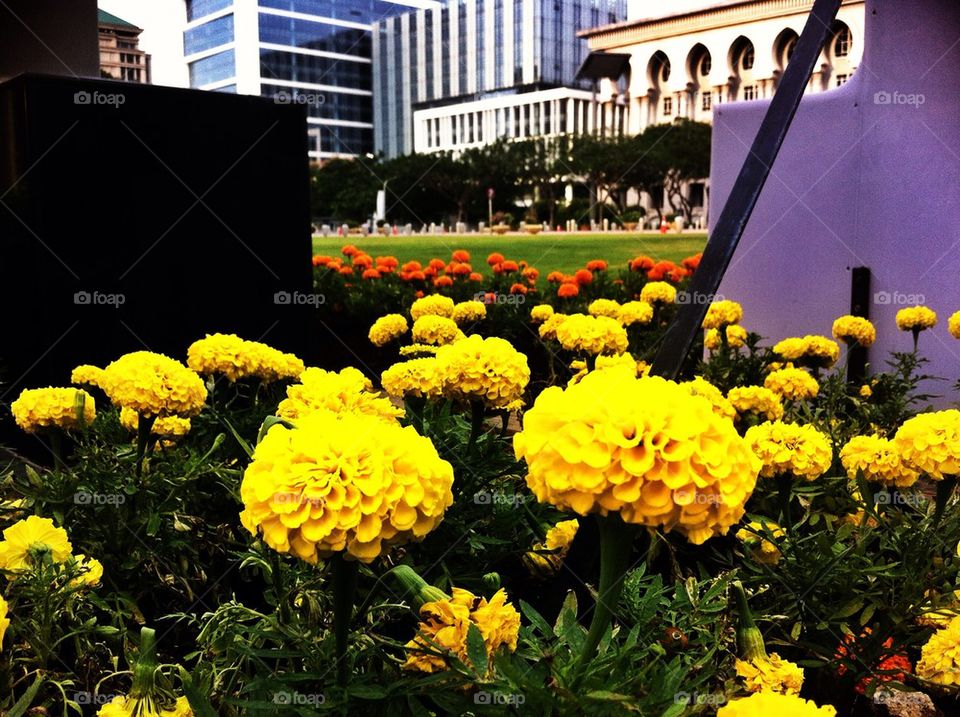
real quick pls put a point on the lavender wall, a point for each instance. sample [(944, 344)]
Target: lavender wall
[(869, 175)]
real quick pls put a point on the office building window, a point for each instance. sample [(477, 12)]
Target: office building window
[(706, 100), (667, 106), (201, 8), (841, 46), (750, 92), (213, 69), (209, 34)]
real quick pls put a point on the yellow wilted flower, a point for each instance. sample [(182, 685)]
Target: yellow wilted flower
[(879, 460), (343, 483), (63, 408), (546, 558), (645, 448), (387, 328)]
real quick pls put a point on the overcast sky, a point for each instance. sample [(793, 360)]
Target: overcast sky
[(162, 22)]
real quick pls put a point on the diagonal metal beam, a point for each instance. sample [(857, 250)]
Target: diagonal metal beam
[(746, 190)]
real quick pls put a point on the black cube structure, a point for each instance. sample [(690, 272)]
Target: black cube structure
[(141, 217)]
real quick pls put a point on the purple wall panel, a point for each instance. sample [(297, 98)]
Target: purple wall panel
[(869, 176)]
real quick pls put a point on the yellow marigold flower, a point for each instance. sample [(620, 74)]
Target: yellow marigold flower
[(4, 620), (722, 313), (86, 375), (854, 329), (64, 408), (604, 307), (930, 443), (547, 557), (416, 377), (658, 292), (947, 608), (540, 313), (635, 312), (488, 370), (754, 538), (814, 350), (432, 305), (237, 358), (879, 460), (418, 350), (736, 337), (93, 571), (165, 426), (773, 674), (801, 451), (344, 482), (387, 328), (468, 312), (436, 330), (756, 399), (764, 704), (940, 656), (624, 360), (792, 384), (548, 329), (954, 325), (916, 318), (154, 385), (865, 391), (591, 334), (127, 706), (699, 386), (32, 537), (445, 624), (644, 447), (348, 391)]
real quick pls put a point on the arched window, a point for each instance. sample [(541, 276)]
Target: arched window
[(842, 42)]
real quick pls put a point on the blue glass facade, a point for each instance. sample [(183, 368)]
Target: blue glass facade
[(208, 35), (202, 8), (214, 68)]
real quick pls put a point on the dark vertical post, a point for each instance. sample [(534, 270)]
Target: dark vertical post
[(859, 306)]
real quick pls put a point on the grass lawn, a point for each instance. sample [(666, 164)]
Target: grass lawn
[(548, 252)]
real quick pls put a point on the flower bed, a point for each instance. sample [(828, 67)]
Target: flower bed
[(501, 510)]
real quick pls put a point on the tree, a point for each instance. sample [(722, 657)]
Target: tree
[(344, 190), (681, 151)]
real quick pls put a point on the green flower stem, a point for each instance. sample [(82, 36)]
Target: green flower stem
[(785, 497), (945, 490), (56, 447), (416, 406), (144, 426), (749, 639), (345, 574), (616, 543), (144, 671), (476, 424)]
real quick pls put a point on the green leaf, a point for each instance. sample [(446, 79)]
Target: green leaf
[(568, 613), (200, 705), (24, 703), (535, 618), (476, 649), (795, 630), (852, 607)]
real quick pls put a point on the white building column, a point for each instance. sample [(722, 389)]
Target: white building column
[(246, 29)]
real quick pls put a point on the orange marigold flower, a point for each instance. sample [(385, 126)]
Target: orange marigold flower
[(442, 281), (597, 265), (508, 266), (461, 255), (678, 275), (384, 269), (371, 274), (523, 263), (430, 272), (412, 266), (417, 276), (567, 291), (437, 264), (387, 261), (419, 294), (583, 276), (531, 273), (321, 260), (518, 289), (461, 269), (641, 263), (659, 270), (692, 263), (364, 260), (349, 250), (476, 277), (555, 277), (346, 270), (890, 666), (495, 258)]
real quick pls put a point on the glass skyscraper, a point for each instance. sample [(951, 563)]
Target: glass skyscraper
[(316, 52), (475, 50)]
